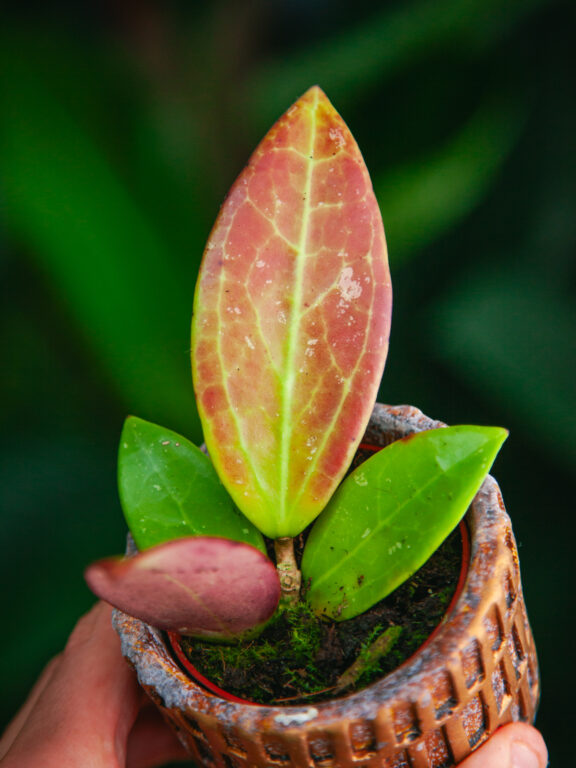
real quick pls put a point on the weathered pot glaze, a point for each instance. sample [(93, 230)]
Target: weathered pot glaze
[(479, 671)]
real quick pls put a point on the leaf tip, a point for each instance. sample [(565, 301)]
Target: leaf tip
[(315, 92)]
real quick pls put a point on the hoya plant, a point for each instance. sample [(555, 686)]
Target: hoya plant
[(289, 339)]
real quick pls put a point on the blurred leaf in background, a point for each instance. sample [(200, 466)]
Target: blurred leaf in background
[(108, 258), (122, 126), (526, 369)]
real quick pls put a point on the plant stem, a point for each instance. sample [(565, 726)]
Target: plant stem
[(368, 658), (288, 571)]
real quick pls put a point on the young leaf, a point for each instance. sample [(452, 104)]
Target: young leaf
[(169, 489), (207, 587), (392, 513), (291, 319)]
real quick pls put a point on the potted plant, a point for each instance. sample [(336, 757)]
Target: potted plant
[(290, 333)]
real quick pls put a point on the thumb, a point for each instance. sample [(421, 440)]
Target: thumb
[(83, 711), (513, 746)]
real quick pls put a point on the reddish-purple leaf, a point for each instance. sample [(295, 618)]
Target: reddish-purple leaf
[(203, 586), (291, 319)]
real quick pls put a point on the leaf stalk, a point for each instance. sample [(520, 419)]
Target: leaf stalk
[(288, 571)]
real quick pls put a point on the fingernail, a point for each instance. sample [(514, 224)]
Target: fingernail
[(523, 756)]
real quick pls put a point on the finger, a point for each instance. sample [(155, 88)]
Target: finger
[(513, 746), (87, 707), (151, 743), (14, 727)]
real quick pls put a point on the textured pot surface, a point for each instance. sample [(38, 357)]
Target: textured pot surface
[(479, 671)]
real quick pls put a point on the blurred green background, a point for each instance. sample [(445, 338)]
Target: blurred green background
[(122, 125)]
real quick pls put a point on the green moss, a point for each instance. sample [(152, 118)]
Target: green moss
[(291, 641)]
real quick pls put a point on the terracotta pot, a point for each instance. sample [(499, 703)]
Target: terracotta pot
[(477, 672)]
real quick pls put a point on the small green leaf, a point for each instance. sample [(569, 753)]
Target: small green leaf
[(390, 515), (169, 489)]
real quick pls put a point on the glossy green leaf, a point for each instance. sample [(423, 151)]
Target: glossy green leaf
[(392, 513), (169, 489), (291, 319)]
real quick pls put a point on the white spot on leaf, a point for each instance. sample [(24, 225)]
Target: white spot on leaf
[(337, 137), (349, 287)]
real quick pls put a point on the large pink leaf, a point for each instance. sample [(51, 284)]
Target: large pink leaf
[(291, 319), (201, 586)]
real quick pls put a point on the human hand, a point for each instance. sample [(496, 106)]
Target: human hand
[(87, 710), (513, 746)]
